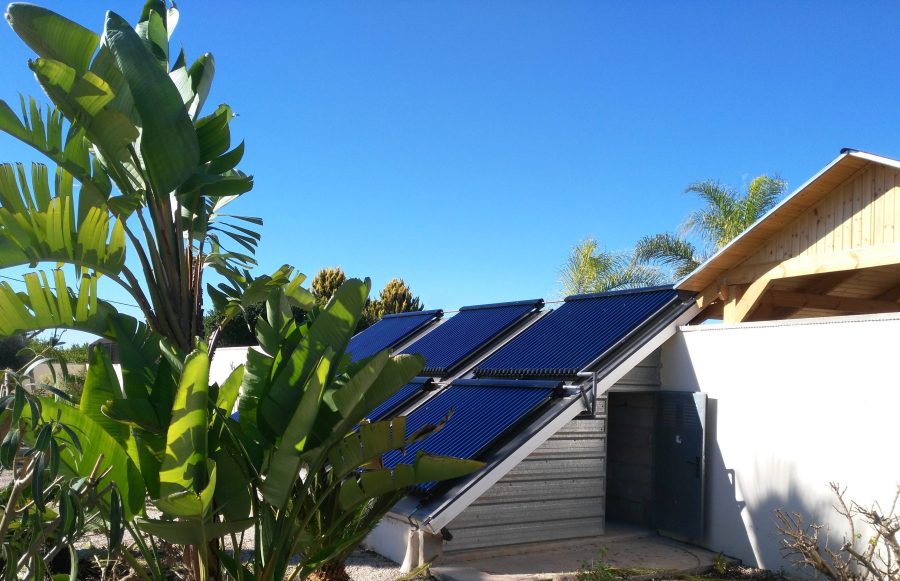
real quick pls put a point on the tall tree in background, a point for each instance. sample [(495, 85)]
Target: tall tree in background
[(724, 215), (326, 282), (590, 269)]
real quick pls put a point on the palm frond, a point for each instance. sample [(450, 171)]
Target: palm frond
[(591, 269), (670, 250)]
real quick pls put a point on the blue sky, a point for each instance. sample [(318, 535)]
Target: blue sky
[(467, 146)]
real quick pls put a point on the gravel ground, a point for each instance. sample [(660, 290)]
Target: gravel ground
[(368, 566)]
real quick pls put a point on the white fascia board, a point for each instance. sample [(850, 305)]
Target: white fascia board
[(875, 158)]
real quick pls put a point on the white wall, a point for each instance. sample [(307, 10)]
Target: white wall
[(224, 361), (792, 406)]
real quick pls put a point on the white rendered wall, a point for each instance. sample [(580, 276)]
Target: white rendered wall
[(792, 406), (224, 361)]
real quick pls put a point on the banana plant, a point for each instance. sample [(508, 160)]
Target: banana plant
[(153, 175), (301, 443)]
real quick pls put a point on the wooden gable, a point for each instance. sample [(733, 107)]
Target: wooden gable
[(831, 248)]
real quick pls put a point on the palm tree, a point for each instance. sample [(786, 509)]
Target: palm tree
[(589, 269), (725, 214)]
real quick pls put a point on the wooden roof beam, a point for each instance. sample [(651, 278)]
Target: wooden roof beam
[(743, 300), (872, 257), (822, 285), (798, 301)]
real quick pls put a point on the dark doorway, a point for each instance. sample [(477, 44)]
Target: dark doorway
[(680, 465), (630, 449)]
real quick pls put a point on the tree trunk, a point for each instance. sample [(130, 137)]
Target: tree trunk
[(330, 571)]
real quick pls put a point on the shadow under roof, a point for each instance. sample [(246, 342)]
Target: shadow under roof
[(483, 411), (579, 332), (389, 332), (467, 332)]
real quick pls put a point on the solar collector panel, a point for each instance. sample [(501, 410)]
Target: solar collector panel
[(483, 411), (585, 327), (389, 332), (464, 334)]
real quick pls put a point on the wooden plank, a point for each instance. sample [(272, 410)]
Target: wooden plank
[(876, 256), (739, 308), (878, 205), (888, 208), (846, 217), (829, 303), (857, 213)]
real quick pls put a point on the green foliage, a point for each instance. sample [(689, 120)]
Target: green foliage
[(326, 282), (10, 352), (46, 508), (153, 178), (591, 269), (597, 569), (720, 564), (724, 215), (53, 347)]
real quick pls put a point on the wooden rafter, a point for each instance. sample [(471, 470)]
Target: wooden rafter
[(799, 300), (760, 276), (872, 257)]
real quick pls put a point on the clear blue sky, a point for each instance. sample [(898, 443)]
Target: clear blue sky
[(467, 146)]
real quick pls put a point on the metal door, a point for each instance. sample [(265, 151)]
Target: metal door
[(679, 463)]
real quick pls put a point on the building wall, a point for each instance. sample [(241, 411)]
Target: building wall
[(859, 213), (792, 406), (555, 493)]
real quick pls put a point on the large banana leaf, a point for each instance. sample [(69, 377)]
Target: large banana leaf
[(42, 307), (168, 141), (187, 476), (98, 443), (85, 97), (100, 386), (425, 468), (53, 36), (196, 534), (331, 329), (284, 465), (44, 229)]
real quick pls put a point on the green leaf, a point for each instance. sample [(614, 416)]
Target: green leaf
[(101, 385), (137, 413), (228, 392), (227, 161), (184, 466), (124, 473), (216, 185), (191, 533), (53, 36), (168, 140), (188, 503), (232, 494), (284, 468), (437, 468)]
